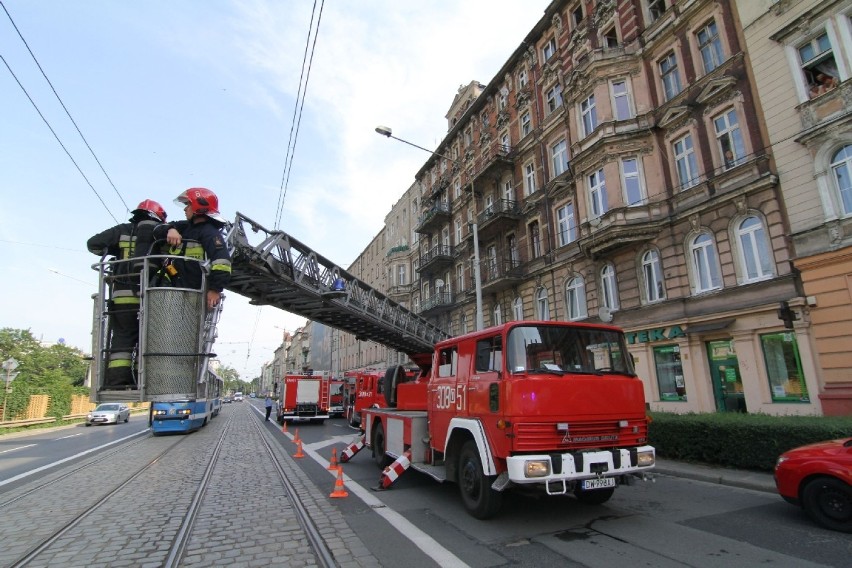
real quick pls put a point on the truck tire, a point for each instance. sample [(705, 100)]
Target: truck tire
[(478, 498), (382, 459)]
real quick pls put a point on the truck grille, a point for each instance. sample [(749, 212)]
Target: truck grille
[(544, 437)]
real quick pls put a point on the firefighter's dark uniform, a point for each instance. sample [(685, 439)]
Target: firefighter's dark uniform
[(123, 242), (202, 240)]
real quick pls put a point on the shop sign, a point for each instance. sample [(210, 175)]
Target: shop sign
[(651, 335)]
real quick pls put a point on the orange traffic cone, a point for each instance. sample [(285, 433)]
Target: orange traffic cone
[(333, 463), (296, 438), (339, 489), (299, 453), (284, 427)]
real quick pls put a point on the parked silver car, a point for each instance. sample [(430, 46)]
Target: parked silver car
[(108, 413)]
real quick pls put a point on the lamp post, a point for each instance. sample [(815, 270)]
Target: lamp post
[(477, 277)]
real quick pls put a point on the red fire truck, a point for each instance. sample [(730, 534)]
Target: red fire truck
[(533, 404), (303, 398), (528, 404), (367, 391), (335, 397)]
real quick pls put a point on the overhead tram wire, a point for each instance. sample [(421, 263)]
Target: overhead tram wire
[(58, 140), (297, 109), (86, 142)]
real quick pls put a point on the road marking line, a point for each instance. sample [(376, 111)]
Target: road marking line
[(66, 437), (18, 448), (69, 458)]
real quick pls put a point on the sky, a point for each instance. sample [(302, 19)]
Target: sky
[(168, 95)]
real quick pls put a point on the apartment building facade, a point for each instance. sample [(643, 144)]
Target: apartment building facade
[(616, 169), (801, 56)]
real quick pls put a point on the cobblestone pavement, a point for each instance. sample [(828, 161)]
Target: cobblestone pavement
[(245, 518)]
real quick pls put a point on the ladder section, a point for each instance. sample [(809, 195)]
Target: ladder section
[(282, 272)]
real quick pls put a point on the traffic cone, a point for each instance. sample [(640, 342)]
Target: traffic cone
[(298, 453), (339, 489), (296, 438), (333, 463), (284, 427)]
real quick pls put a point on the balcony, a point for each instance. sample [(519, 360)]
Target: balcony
[(399, 293), (439, 303), (397, 250), (493, 159), (440, 185), (623, 227), (435, 259), (434, 218), (498, 275), (501, 215)]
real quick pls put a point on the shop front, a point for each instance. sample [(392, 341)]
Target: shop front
[(740, 363)]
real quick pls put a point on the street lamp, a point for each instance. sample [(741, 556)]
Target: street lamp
[(477, 278)]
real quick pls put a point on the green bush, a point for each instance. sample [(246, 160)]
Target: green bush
[(743, 441)]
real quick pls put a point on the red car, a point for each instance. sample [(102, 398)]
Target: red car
[(818, 477)]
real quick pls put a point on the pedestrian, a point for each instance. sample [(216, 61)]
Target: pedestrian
[(124, 242), (199, 237), (268, 404)]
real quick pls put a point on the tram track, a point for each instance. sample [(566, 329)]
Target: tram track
[(166, 507)]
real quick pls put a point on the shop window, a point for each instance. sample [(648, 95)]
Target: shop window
[(669, 373), (784, 367)]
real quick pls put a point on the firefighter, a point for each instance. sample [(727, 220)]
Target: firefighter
[(125, 242), (202, 231)]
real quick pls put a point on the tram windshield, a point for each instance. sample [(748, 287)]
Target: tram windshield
[(562, 350)]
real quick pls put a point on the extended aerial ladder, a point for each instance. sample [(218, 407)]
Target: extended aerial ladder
[(283, 272)]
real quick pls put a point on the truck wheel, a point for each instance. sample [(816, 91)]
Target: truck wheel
[(480, 500), (352, 421), (382, 460), (828, 502), (594, 497)]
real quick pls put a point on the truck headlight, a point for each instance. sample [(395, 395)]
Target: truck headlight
[(645, 459), (536, 468)]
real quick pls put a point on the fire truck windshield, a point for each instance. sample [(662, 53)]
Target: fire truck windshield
[(562, 350)]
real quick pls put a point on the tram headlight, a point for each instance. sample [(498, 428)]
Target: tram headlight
[(184, 411), (159, 412)]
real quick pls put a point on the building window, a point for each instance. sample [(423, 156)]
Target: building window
[(669, 373), (458, 231), (610, 38), (542, 305), (656, 9), (652, 277), (597, 193), (535, 239), (632, 182), (503, 99), (609, 288), (589, 114), (460, 278), (512, 246), (754, 250), (818, 65), (577, 16), (670, 76), (705, 266), (554, 98), (518, 309), (497, 315), (575, 299), (567, 224), (505, 142), (559, 157), (529, 178), (522, 79), (687, 169), (784, 367), (526, 124), (549, 49), (841, 165), (730, 139), (400, 275), (710, 46), (508, 191), (621, 100)]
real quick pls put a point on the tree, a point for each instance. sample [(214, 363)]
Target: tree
[(231, 378)]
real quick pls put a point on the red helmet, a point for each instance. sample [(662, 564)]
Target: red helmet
[(152, 209), (201, 201)]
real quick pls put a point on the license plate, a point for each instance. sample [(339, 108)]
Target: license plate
[(598, 483)]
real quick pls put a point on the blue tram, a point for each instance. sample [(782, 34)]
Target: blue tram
[(190, 414), (171, 361)]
